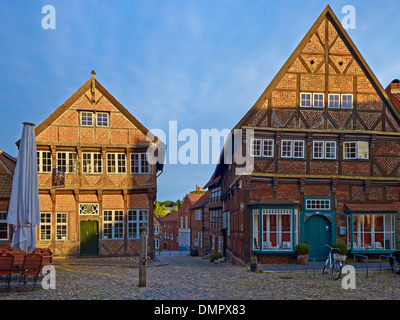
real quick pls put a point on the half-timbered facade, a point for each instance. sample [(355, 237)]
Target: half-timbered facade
[(96, 185), (325, 140)]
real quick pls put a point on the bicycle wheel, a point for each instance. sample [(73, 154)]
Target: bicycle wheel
[(325, 266), (336, 270)]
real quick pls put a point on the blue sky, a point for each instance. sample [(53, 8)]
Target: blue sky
[(200, 63)]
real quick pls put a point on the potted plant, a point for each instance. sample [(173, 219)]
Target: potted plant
[(302, 250), (341, 253)]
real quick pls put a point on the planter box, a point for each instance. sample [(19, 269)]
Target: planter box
[(302, 259)]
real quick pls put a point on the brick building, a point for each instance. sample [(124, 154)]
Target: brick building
[(184, 219), (7, 167), (169, 239), (157, 227), (199, 233), (96, 185), (325, 140)]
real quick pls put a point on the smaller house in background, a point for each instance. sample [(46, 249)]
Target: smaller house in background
[(199, 233), (169, 235), (7, 167), (184, 218), (157, 233)]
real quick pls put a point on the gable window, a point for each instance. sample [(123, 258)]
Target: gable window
[(139, 163), (292, 149), (305, 99), (91, 162), (116, 163), (102, 119), (347, 101), (318, 100), (113, 224), (136, 219), (3, 226), (255, 150), (87, 118), (324, 150), (355, 150), (334, 101), (65, 162), (262, 148), (44, 161)]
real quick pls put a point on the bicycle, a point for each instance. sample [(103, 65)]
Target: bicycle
[(334, 265)]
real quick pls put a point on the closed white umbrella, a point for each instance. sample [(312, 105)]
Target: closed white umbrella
[(23, 210)]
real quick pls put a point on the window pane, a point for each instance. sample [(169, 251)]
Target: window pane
[(256, 229), (305, 99), (102, 119), (298, 149), (318, 150), (286, 149), (362, 150), (318, 100), (347, 101), (87, 118), (334, 101), (330, 149), (256, 147), (268, 148)]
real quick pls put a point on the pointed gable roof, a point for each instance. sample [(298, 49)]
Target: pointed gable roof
[(7, 167), (309, 43), (93, 84)]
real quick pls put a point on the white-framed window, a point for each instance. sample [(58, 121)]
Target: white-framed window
[(305, 99), (181, 222), (268, 148), (91, 162), (113, 224), (156, 244), (347, 101), (44, 161), (197, 214), (318, 204), (292, 149), (116, 163), (156, 230), (4, 230), (65, 161), (212, 242), (372, 232), (102, 119), (318, 100), (186, 223), (324, 150), (61, 226), (139, 163), (136, 219), (86, 118), (255, 149), (334, 101), (45, 226), (355, 150)]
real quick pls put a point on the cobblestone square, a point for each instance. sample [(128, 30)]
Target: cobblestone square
[(194, 278)]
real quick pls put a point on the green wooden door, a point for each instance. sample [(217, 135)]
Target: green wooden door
[(318, 233), (89, 238)]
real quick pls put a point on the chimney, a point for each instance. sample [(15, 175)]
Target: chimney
[(395, 86)]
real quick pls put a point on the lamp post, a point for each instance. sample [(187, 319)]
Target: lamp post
[(142, 256)]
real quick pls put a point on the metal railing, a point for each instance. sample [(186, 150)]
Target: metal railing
[(366, 262)]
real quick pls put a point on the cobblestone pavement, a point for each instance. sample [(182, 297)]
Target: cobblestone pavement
[(193, 278)]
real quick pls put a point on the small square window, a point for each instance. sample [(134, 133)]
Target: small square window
[(268, 147), (102, 119), (86, 118), (305, 100), (347, 101), (255, 147), (334, 101), (318, 101)]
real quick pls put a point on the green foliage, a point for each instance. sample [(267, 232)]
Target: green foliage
[(158, 211), (214, 256), (341, 246), (302, 248)]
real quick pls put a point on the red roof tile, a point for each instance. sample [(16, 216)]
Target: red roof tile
[(372, 207)]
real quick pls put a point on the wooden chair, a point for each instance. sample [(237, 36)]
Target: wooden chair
[(31, 267), (46, 254), (19, 256), (6, 267)]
